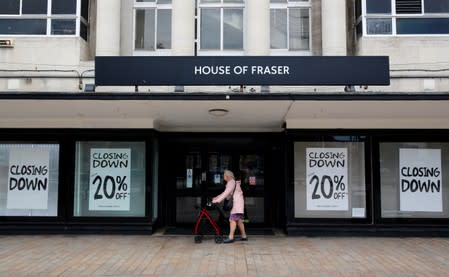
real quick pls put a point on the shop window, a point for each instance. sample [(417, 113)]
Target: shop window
[(221, 24), (414, 180), (110, 179), (44, 17), (29, 179), (290, 25), (329, 179), (153, 28)]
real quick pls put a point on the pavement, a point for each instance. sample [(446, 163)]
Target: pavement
[(164, 255)]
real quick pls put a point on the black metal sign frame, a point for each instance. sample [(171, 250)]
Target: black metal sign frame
[(242, 70)]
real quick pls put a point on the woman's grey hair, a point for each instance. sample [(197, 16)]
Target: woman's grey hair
[(229, 173)]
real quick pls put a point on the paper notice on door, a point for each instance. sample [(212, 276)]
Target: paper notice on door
[(217, 179), (252, 180), (189, 179)]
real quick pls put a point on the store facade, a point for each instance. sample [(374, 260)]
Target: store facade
[(324, 149), (57, 181), (314, 181), (375, 181)]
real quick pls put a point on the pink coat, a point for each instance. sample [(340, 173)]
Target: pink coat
[(239, 203)]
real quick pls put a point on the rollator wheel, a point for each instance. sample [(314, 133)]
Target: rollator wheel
[(198, 239), (218, 239)]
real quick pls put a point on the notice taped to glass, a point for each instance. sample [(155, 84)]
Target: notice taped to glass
[(420, 180), (327, 179), (28, 178), (110, 179)]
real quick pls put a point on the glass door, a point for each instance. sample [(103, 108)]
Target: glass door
[(217, 163), (189, 179), (252, 171), (199, 177)]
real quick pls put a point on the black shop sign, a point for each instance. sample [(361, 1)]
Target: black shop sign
[(247, 70)]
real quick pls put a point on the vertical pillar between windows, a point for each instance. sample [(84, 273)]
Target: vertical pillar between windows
[(127, 24), (257, 36), (108, 28), (333, 19), (183, 27), (257, 27)]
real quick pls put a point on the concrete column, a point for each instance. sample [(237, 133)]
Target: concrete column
[(333, 20), (108, 28), (257, 27), (183, 27), (127, 31)]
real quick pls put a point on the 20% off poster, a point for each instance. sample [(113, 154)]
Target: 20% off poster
[(327, 179), (110, 179)]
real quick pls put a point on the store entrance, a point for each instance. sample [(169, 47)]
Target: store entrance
[(194, 174)]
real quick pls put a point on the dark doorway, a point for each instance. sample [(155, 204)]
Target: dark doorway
[(192, 169)]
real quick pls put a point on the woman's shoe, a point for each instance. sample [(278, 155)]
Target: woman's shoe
[(243, 239), (228, 240)]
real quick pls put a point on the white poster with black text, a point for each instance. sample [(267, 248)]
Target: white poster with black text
[(110, 179), (327, 179), (420, 180), (28, 178)]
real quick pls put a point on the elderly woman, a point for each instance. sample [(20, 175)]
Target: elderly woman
[(234, 190)]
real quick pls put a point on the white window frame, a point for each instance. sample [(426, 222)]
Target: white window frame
[(394, 16), (49, 17), (221, 51), (150, 6), (288, 6)]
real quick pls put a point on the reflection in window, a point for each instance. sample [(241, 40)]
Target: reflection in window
[(405, 189), (63, 7), (163, 29), (44, 161), (188, 175), (420, 20), (329, 179), (418, 26), (378, 6), (110, 179), (210, 29), (145, 29), (233, 29), (252, 168), (153, 26), (290, 25), (44, 17), (63, 27), (436, 6), (34, 6), (23, 26), (221, 28), (298, 29), (379, 26), (218, 163), (278, 29), (9, 6)]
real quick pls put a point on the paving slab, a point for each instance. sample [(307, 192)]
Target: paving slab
[(164, 255)]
